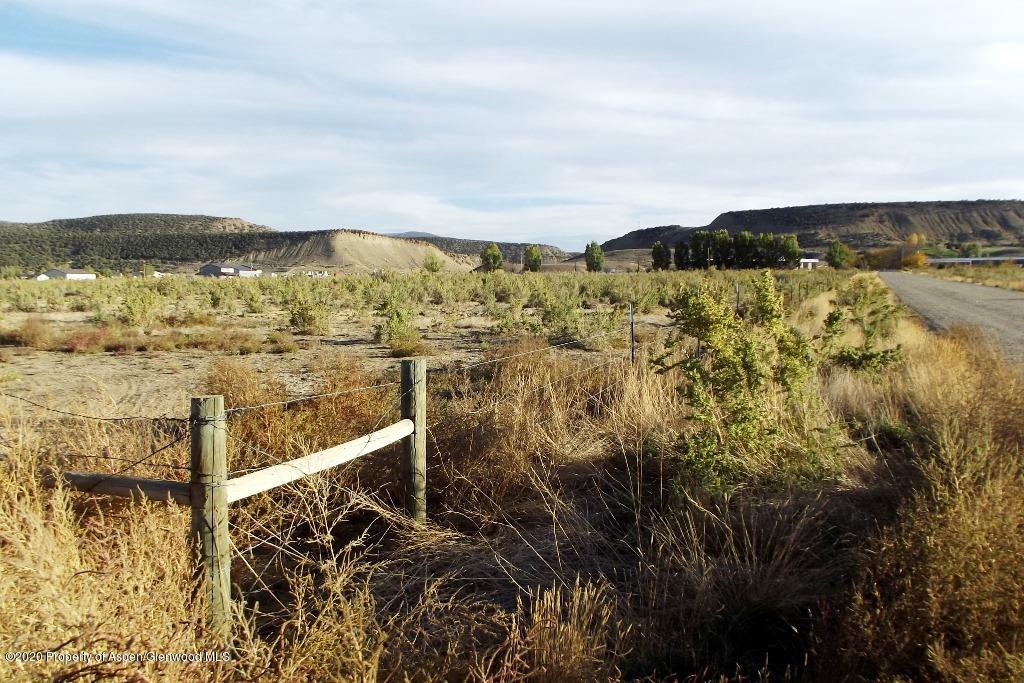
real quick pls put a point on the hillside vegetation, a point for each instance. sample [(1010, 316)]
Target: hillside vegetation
[(124, 241), (511, 251), (992, 222)]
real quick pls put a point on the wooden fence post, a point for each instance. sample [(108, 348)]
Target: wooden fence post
[(210, 510), (632, 333), (414, 407)]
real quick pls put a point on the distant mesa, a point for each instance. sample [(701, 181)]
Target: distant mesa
[(414, 234), (990, 222), (181, 242)]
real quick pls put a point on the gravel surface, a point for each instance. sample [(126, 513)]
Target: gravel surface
[(997, 312)]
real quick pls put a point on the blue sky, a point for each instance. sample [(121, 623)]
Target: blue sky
[(547, 121)]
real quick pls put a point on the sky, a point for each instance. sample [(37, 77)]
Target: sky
[(554, 121)]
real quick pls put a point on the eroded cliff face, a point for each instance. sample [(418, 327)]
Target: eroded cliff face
[(355, 251), (862, 225)]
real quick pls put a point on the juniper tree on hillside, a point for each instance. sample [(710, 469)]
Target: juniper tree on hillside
[(661, 256), (532, 258), (491, 258), (594, 256), (681, 256)]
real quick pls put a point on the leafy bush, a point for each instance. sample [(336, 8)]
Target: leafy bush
[(282, 342), (742, 374), (867, 303), (396, 330), (432, 262), (310, 313), (140, 307)]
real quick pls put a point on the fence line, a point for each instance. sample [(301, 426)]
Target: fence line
[(211, 489), (300, 399), (164, 418)]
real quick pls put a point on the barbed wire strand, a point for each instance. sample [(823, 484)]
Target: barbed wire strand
[(163, 418), (82, 456), (300, 399), (527, 353), (136, 463)]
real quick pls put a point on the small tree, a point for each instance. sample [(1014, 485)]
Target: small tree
[(788, 250), (681, 256), (532, 258), (915, 260), (839, 255), (491, 257), (969, 249), (594, 256), (661, 256)]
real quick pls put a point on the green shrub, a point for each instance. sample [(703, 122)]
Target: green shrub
[(282, 342), (310, 313), (867, 303), (396, 330), (432, 262), (140, 307), (744, 375)]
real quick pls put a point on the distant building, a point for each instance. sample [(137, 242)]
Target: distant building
[(229, 270), (809, 263), (66, 274)]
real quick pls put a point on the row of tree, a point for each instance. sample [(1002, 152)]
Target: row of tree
[(704, 249), (719, 249), (491, 258)]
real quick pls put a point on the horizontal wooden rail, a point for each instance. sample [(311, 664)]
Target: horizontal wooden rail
[(286, 472), (130, 487)]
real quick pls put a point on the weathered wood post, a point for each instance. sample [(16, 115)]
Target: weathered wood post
[(632, 333), (414, 407), (737, 298), (210, 510)]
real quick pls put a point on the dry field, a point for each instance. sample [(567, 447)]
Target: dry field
[(1007, 276), (784, 492)]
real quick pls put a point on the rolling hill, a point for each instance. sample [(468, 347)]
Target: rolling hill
[(179, 242), (512, 251), (991, 222), (128, 223)]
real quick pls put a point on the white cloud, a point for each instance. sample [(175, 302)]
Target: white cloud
[(517, 120)]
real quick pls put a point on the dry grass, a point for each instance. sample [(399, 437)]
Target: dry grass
[(563, 544), (1006, 275)]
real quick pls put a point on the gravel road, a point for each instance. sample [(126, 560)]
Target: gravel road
[(997, 312)]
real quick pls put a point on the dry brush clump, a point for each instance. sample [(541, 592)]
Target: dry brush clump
[(568, 537), (938, 593)]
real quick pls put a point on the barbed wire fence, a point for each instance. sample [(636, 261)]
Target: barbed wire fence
[(260, 548)]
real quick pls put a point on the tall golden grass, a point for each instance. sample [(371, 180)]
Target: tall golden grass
[(565, 541)]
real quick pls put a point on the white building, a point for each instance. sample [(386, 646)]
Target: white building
[(809, 263), (229, 270), (66, 274)]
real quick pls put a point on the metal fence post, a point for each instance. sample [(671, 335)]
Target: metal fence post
[(414, 407), (210, 510)]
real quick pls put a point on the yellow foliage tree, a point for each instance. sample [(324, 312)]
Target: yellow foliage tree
[(915, 260)]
